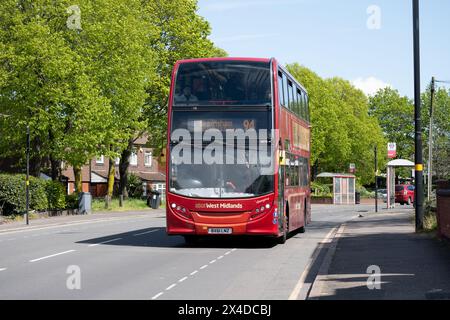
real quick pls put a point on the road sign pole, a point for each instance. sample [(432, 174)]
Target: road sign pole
[(417, 117)]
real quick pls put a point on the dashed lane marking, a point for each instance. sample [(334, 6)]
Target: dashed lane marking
[(52, 255)]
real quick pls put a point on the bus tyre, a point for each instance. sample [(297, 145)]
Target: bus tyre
[(303, 228), (283, 238), (190, 239)]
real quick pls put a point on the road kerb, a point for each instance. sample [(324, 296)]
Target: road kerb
[(320, 280), (298, 293)]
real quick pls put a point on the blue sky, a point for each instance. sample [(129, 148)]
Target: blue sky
[(333, 38)]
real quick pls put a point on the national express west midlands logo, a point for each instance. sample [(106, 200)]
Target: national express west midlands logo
[(218, 206), (233, 147)]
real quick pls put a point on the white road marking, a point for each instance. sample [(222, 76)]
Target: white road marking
[(140, 234), (3, 269), (52, 255), (171, 286), (157, 295), (233, 250), (52, 226), (191, 274), (301, 282), (107, 241)]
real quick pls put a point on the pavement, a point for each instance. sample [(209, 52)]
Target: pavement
[(406, 265)]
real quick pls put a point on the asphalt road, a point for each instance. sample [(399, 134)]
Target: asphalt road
[(133, 258)]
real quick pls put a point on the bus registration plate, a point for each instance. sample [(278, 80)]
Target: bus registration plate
[(220, 230)]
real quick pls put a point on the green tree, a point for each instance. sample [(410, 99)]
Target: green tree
[(46, 86), (115, 41), (343, 132), (180, 34), (441, 131), (395, 115)]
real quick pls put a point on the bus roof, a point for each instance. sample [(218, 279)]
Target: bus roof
[(224, 59)]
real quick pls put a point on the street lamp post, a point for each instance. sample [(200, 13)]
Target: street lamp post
[(417, 117), (27, 184)]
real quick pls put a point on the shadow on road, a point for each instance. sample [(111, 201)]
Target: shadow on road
[(157, 237)]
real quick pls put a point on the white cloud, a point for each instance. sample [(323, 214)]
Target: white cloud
[(370, 85)]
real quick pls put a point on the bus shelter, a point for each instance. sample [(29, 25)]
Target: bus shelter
[(343, 187), (390, 179)]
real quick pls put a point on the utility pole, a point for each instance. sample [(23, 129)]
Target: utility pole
[(417, 117), (376, 179), (430, 141), (27, 183)]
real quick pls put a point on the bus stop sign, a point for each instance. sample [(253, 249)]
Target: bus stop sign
[(392, 150)]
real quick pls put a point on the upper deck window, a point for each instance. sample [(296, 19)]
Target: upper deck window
[(223, 83)]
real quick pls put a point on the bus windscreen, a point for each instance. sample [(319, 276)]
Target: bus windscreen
[(223, 83)]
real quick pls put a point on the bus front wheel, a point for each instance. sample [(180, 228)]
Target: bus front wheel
[(190, 239)]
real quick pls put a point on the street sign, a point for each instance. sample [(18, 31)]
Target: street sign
[(392, 150)]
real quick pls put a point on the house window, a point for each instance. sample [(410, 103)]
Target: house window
[(100, 160), (133, 159), (148, 159)]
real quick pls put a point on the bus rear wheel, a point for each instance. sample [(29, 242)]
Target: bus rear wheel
[(283, 238), (302, 229)]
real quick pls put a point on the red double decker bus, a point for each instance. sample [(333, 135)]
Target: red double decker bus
[(238, 149)]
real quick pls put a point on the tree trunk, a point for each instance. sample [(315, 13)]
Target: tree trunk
[(111, 176), (78, 179), (123, 169), (55, 169)]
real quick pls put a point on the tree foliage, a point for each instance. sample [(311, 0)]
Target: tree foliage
[(395, 115), (343, 132), (440, 132)]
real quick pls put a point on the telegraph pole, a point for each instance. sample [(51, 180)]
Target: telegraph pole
[(430, 141), (417, 117)]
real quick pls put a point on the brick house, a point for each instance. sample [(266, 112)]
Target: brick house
[(143, 163)]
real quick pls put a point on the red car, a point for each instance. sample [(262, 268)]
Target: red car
[(404, 194)]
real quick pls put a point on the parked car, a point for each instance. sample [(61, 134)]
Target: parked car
[(404, 193), (382, 194)]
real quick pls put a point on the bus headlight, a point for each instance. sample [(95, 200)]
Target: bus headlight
[(182, 211)]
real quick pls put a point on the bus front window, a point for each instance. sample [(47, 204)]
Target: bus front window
[(223, 82)]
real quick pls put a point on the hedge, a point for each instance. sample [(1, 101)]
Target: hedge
[(43, 194), (56, 195)]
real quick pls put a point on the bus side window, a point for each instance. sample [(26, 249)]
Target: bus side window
[(304, 112), (298, 111), (285, 88), (307, 108), (291, 97), (280, 88)]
